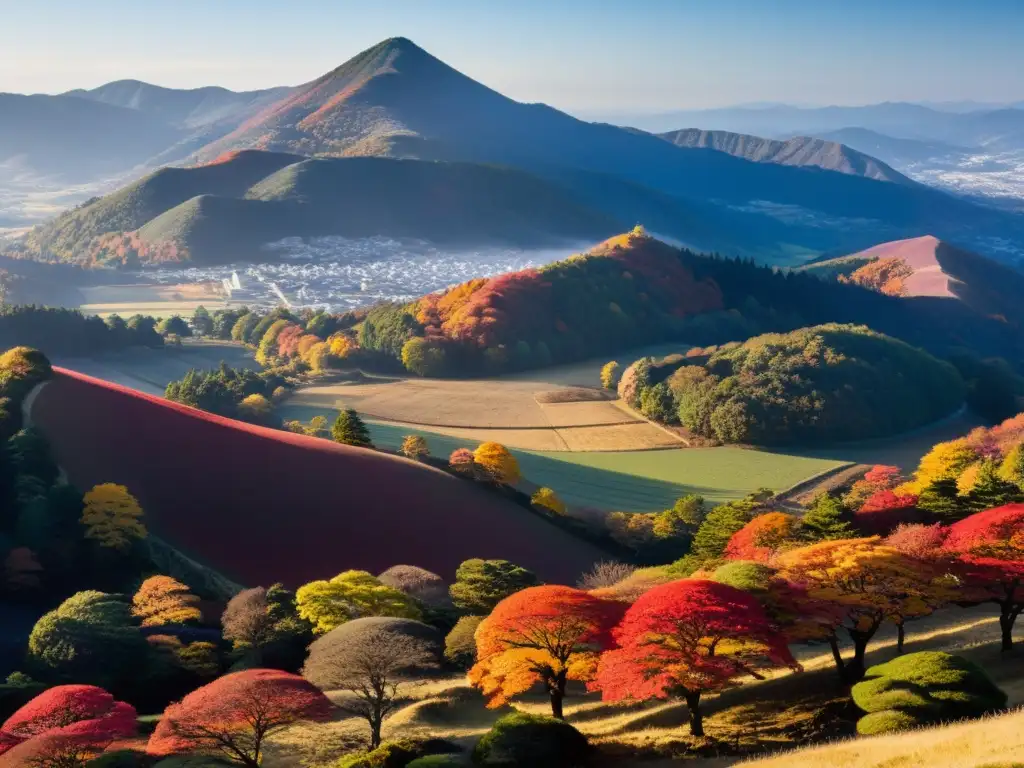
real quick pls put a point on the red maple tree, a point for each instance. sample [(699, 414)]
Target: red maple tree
[(884, 510), (989, 548), (63, 723), (236, 713), (548, 634), (687, 637)]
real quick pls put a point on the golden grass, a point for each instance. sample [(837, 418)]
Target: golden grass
[(987, 742)]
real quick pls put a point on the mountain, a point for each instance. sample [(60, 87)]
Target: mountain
[(801, 151), (225, 211), (895, 151), (75, 139), (927, 266), (272, 512), (191, 108)]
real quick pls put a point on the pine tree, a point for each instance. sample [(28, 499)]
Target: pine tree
[(1012, 468), (991, 491), (826, 519), (349, 429), (941, 498)]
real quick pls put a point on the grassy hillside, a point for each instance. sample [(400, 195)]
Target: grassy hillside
[(262, 505), (225, 210), (802, 151)]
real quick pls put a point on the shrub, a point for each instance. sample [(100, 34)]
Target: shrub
[(418, 583), (521, 739), (437, 761), (460, 644), (396, 754), (122, 758), (924, 688)]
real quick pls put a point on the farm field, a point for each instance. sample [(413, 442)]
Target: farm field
[(763, 714), (151, 299)]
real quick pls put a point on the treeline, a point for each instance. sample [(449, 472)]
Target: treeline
[(828, 383), (634, 290), (68, 332)]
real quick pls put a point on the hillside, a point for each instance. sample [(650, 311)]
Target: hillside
[(803, 151), (893, 150), (226, 210), (927, 266), (262, 505), (74, 139)]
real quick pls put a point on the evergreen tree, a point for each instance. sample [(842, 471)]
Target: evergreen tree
[(349, 429), (827, 519), (202, 321), (1012, 468), (941, 498), (991, 491), (718, 527)]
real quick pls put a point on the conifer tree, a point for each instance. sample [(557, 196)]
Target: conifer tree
[(991, 491), (349, 429), (826, 519), (941, 498)]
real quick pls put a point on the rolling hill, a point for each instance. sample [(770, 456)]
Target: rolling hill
[(226, 210), (927, 266), (262, 505), (803, 151), (893, 150)]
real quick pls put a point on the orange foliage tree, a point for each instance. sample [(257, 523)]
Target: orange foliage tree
[(236, 713), (868, 581), (688, 637), (498, 463), (549, 634), (763, 537), (163, 600)]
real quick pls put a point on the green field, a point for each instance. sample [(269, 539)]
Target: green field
[(639, 481)]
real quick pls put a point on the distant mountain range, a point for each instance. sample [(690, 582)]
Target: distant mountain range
[(803, 151), (777, 201)]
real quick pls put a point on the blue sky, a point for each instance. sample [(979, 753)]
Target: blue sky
[(583, 55)]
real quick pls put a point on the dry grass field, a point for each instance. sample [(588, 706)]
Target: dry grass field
[(149, 299), (757, 717)]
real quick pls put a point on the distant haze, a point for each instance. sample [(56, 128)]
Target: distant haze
[(603, 58)]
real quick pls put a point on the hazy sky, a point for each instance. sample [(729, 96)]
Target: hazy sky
[(632, 55)]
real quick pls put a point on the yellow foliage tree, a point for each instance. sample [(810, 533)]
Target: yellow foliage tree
[(610, 375), (548, 499), (340, 345), (351, 595), (112, 517), (163, 600), (945, 461), (495, 459), (255, 408), (415, 447)]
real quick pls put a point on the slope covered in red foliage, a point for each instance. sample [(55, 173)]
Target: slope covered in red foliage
[(262, 505)]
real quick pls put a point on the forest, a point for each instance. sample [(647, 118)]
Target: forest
[(828, 383)]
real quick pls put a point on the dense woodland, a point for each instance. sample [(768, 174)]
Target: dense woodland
[(827, 383), (734, 588)]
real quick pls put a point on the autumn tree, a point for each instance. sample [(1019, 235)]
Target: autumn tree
[(112, 517), (462, 462), (945, 461), (349, 429), (880, 477), (481, 584), (869, 581), (610, 375), (687, 638), (418, 583), (763, 537), (351, 595), (372, 659), (547, 634), (64, 726), (989, 547), (548, 500), (264, 626), (884, 510), (990, 490), (163, 600), (415, 447), (235, 714), (496, 461), (256, 409), (924, 543), (1012, 467)]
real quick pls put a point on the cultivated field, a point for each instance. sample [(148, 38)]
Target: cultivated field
[(765, 716), (151, 299)]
